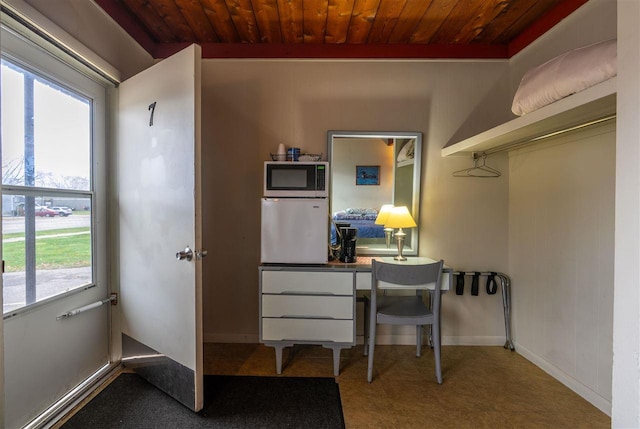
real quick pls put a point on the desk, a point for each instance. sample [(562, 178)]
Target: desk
[(363, 265), (315, 304)]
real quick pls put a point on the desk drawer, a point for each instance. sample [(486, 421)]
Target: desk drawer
[(320, 330), (332, 307), (307, 282)]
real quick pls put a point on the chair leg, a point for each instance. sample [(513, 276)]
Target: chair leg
[(366, 326), (418, 340), (436, 350), (372, 345)]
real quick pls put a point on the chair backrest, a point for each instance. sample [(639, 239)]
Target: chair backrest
[(403, 276)]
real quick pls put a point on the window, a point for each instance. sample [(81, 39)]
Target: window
[(47, 196)]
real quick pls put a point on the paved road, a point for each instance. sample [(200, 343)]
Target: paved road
[(12, 224), (48, 282)]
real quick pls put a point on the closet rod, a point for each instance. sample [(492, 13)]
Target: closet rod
[(515, 145)]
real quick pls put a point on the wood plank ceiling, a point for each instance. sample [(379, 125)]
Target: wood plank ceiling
[(339, 28)]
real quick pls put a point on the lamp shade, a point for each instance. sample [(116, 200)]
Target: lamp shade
[(383, 214), (400, 218)]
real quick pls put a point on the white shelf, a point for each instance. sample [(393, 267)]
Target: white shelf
[(596, 102)]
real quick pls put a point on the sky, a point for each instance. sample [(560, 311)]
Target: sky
[(61, 129)]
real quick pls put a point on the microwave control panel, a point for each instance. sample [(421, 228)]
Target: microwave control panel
[(321, 172)]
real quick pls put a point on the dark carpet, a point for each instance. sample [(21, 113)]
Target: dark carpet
[(229, 402)]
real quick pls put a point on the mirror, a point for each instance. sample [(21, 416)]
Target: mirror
[(368, 170)]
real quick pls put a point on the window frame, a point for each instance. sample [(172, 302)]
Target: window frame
[(53, 67)]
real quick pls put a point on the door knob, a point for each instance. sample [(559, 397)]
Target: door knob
[(187, 254), (201, 254)]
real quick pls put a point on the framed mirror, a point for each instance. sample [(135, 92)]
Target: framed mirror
[(369, 170)]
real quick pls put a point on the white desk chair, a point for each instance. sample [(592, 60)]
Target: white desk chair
[(405, 310)]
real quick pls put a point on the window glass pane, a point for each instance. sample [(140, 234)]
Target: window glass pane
[(46, 143), (46, 137), (46, 245)]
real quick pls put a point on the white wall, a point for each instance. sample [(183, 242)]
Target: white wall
[(626, 338), (251, 106), (561, 231), (561, 236), (347, 155)]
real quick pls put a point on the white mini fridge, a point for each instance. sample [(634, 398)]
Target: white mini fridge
[(294, 231)]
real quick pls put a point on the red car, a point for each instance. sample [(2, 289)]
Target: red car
[(45, 211)]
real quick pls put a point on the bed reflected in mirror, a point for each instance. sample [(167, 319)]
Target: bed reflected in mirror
[(369, 170)]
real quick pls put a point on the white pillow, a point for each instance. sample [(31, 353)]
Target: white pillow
[(564, 75)]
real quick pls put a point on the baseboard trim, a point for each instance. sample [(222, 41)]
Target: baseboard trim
[(587, 393), (385, 339), (472, 341)]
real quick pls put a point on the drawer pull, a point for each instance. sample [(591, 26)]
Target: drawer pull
[(297, 292), (297, 316)]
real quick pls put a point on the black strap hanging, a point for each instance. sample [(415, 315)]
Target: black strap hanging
[(492, 285), (475, 283), (460, 284)]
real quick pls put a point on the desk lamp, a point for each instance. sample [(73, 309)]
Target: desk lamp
[(381, 219), (400, 218)]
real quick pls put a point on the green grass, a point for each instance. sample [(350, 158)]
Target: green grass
[(51, 253), (47, 232)]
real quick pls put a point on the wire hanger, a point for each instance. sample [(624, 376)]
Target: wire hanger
[(479, 169)]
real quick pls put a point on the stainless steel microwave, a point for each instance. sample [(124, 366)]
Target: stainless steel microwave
[(296, 179)]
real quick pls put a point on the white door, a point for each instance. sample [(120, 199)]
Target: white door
[(53, 155), (158, 175)]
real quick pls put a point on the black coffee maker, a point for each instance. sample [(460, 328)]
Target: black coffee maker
[(348, 244)]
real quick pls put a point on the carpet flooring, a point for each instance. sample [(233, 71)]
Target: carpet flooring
[(229, 402)]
